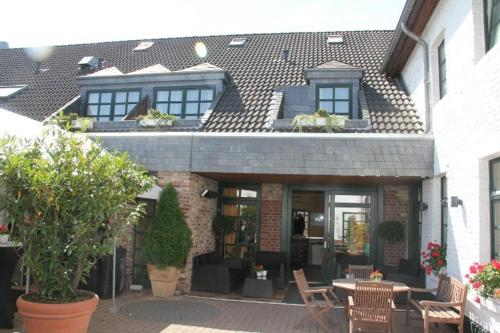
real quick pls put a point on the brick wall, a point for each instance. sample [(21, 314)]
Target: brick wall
[(270, 217), (396, 208)]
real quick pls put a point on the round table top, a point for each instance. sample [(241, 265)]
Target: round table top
[(350, 284)]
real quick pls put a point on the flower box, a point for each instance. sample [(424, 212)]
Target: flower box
[(155, 122), (82, 123)]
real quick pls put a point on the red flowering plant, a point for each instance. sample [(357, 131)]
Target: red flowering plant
[(484, 279), (259, 268), (434, 259), (4, 230)]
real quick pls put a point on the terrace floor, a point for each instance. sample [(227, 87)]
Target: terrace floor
[(142, 313)]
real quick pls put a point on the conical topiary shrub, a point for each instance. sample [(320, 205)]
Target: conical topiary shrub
[(167, 243)]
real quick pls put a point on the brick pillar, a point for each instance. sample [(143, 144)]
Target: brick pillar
[(396, 208), (270, 217)]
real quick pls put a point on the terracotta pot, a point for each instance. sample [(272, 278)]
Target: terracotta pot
[(163, 281), (57, 318)]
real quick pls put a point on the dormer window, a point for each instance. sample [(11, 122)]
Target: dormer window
[(335, 99), (111, 105), (186, 103)]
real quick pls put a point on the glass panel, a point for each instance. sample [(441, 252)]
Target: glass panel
[(191, 108), (176, 95), (162, 96), (351, 231), (328, 106), (175, 108), (163, 108), (248, 193), (352, 198), (121, 97), (496, 176), (120, 109), (207, 95), (325, 93), (247, 224), (106, 97), (130, 107), (230, 210), (230, 192), (133, 97), (192, 95), (341, 93), (104, 110), (342, 107), (92, 110), (103, 119), (93, 98), (204, 107), (191, 117)]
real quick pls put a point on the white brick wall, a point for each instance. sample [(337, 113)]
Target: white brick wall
[(466, 128)]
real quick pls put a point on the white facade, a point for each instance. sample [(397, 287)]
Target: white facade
[(466, 128)]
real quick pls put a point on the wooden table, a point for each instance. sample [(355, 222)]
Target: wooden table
[(350, 285)]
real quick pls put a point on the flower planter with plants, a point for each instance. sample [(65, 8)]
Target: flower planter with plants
[(4, 233), (434, 259), (376, 276), (154, 118), (260, 272), (321, 119), (66, 199), (73, 121), (167, 244)]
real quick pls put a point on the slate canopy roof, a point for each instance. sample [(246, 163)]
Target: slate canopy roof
[(257, 69)]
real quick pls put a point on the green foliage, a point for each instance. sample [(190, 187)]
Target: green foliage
[(223, 225), (65, 121), (392, 231), (321, 113), (168, 239), (156, 114), (306, 122), (61, 193)]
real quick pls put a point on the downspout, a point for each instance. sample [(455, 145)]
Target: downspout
[(427, 82)]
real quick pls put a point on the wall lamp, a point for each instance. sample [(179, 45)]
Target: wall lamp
[(455, 202), (422, 206), (209, 194)]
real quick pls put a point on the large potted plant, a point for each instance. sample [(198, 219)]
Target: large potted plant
[(167, 244), (222, 225), (66, 199)]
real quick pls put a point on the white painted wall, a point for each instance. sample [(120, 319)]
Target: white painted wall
[(466, 128), (14, 124)]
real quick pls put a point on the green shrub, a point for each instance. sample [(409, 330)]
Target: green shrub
[(168, 239), (222, 226), (392, 231)]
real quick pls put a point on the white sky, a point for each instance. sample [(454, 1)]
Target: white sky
[(50, 22)]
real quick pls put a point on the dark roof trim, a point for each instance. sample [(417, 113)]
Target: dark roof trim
[(415, 15)]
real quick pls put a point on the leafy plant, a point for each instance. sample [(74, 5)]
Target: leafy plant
[(168, 239), (433, 259), (155, 114), (222, 225), (65, 121), (485, 279), (66, 199), (334, 123), (321, 113), (392, 231)]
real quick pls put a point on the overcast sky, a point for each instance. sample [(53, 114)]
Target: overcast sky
[(50, 22)]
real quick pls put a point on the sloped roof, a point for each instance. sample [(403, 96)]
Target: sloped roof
[(334, 64), (256, 68)]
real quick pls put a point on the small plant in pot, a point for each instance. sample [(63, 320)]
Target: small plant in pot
[(167, 244), (61, 193)]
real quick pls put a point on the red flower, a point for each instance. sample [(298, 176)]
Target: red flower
[(477, 299), (495, 264), (435, 254), (473, 270), (467, 276), (480, 268), (477, 285)]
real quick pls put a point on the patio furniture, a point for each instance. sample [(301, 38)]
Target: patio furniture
[(360, 271), (408, 272), (316, 307), (372, 306), (274, 263), (8, 261), (350, 285), (449, 306), (343, 260), (212, 274), (258, 288)]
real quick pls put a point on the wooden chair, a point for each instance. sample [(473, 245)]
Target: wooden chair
[(449, 306), (315, 307), (360, 271), (372, 306)]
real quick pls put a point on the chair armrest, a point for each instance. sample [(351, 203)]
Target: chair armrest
[(422, 290), (321, 287), (315, 291), (439, 304), (350, 301)]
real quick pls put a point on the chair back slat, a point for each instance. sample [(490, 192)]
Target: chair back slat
[(361, 271), (302, 284), (373, 301), (452, 290)]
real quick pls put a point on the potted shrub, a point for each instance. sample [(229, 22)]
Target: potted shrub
[(320, 120), (73, 121), (222, 226), (61, 194), (391, 231), (434, 259), (154, 118), (167, 244)]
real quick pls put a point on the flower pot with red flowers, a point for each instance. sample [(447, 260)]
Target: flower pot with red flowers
[(4, 234), (376, 276), (260, 272), (434, 259), (60, 192)]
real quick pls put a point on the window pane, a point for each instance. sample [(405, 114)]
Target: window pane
[(207, 95), (175, 108), (328, 106), (230, 192), (104, 110), (163, 107), (496, 221), (204, 107), (133, 96), (341, 93), (120, 97), (120, 109), (162, 96), (352, 198), (342, 107), (176, 95), (92, 110), (102, 119), (248, 193), (325, 93), (106, 97), (130, 107), (496, 176), (94, 98), (191, 108), (192, 95), (247, 225), (230, 210)]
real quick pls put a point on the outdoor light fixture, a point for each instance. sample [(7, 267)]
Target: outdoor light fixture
[(455, 202), (422, 206), (209, 194)]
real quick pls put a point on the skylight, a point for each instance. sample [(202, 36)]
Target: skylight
[(144, 45), (238, 41), (9, 91), (335, 39)]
